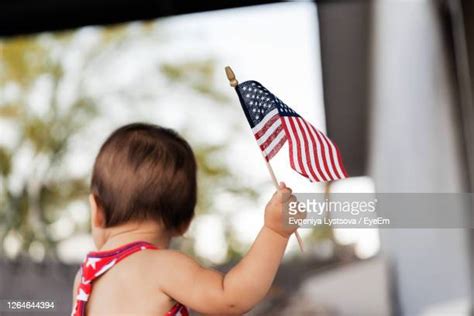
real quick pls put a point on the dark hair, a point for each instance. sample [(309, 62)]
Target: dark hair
[(143, 172)]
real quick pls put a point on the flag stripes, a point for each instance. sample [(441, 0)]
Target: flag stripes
[(270, 135), (312, 153)]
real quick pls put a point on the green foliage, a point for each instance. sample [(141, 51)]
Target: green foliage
[(27, 206), (5, 162), (31, 205), (201, 74)]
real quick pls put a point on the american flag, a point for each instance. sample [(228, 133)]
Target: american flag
[(312, 154)]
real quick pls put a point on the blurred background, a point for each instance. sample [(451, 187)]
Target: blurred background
[(389, 81)]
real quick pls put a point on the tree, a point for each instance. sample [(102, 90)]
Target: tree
[(34, 188)]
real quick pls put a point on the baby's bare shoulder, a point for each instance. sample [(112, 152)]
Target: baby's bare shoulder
[(164, 266), (167, 260)]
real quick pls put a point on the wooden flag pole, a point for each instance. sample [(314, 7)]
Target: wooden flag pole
[(233, 83)]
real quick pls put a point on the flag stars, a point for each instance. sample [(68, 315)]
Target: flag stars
[(259, 103)]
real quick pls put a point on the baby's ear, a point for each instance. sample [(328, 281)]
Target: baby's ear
[(97, 213)]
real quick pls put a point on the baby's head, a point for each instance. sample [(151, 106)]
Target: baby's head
[(143, 172)]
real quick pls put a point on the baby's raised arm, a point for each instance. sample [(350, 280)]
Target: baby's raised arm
[(210, 292)]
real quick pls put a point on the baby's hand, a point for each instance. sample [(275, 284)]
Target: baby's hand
[(274, 212)]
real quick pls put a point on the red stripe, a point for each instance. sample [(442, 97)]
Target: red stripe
[(271, 138), (306, 150), (316, 160), (276, 149), (265, 127), (298, 147), (323, 150), (331, 159), (339, 157), (290, 143), (336, 171)]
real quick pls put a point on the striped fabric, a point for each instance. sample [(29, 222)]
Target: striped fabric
[(312, 153), (270, 134)]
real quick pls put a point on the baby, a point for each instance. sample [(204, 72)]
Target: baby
[(143, 193)]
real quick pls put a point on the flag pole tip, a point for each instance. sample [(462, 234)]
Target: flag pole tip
[(231, 76)]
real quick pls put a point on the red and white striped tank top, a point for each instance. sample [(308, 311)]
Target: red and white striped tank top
[(99, 262)]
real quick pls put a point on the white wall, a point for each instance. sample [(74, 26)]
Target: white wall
[(415, 148)]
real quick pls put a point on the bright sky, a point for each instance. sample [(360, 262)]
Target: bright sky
[(278, 46)]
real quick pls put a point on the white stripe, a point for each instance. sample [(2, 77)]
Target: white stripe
[(274, 143), (336, 157), (319, 152), (269, 132), (311, 152), (303, 150), (295, 145), (267, 117), (328, 156)]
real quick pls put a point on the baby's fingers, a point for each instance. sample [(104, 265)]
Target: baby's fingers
[(282, 186), (283, 195)]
